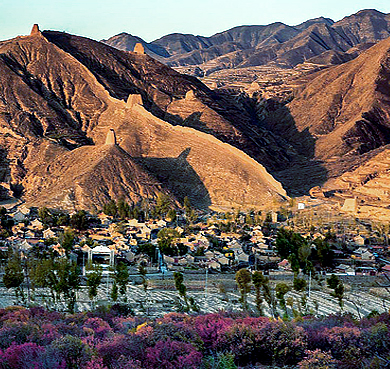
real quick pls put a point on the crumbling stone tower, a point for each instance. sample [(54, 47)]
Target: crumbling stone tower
[(138, 48), (111, 137), (35, 30)]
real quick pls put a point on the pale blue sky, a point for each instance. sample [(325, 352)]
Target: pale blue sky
[(151, 19)]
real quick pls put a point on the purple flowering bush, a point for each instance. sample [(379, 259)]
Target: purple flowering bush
[(39, 339)]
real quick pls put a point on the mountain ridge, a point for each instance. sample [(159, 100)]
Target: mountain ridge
[(255, 45), (62, 94)]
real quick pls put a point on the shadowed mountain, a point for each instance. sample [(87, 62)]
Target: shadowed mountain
[(60, 95), (170, 95), (346, 110), (180, 177)]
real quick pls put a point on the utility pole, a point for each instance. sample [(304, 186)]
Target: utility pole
[(205, 289)]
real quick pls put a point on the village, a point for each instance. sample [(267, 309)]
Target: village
[(208, 248)]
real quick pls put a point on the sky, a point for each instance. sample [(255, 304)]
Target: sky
[(151, 19)]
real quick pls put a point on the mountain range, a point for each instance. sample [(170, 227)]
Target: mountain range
[(321, 40), (325, 131)]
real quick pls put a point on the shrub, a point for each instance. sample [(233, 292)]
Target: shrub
[(173, 354), (317, 360), (129, 346), (24, 356), (100, 327), (72, 350)]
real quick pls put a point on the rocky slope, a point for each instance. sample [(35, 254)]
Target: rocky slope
[(345, 110), (259, 45), (59, 97)]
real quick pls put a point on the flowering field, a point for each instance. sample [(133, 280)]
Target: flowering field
[(108, 338)]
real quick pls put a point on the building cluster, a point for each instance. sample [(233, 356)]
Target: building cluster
[(207, 244)]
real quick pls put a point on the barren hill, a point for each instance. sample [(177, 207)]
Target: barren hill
[(345, 109), (61, 94), (278, 43), (164, 90)]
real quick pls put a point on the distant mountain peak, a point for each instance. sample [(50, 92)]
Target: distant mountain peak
[(255, 45), (369, 12)]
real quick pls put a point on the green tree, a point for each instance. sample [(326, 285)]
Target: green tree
[(114, 292), (142, 271), (43, 275), (324, 253), (79, 220), (123, 209), (121, 277), (148, 249), (163, 204), (45, 216), (67, 240), (257, 279), (110, 208), (280, 291), (336, 284), (288, 242), (63, 220), (181, 288), (68, 281), (187, 204), (165, 239), (248, 219), (94, 278), (243, 279), (13, 275), (300, 285), (262, 282), (172, 215), (136, 213)]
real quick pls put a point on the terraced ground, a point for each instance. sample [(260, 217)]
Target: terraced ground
[(162, 298)]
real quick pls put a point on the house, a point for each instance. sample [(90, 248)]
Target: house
[(101, 255), (130, 256), (223, 260), (18, 216), (29, 234), (161, 223), (181, 261), (284, 265), (363, 253), (214, 265), (241, 256), (386, 269), (105, 219), (49, 233), (367, 256), (169, 260), (344, 269), (133, 223), (359, 240), (209, 255), (59, 249), (36, 224), (366, 271), (190, 259)]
